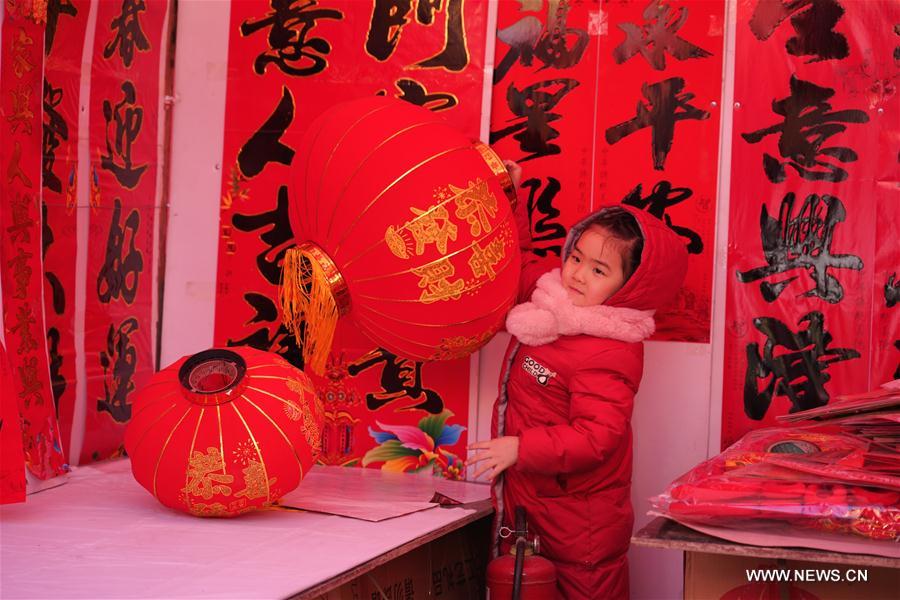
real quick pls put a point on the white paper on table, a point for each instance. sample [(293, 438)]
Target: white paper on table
[(375, 495), (361, 493)]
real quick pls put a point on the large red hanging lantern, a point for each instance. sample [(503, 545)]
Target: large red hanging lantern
[(224, 431), (402, 224)]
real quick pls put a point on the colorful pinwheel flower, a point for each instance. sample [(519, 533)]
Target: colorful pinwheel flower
[(408, 448)]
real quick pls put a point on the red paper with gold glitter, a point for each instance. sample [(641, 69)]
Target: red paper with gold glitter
[(124, 107), (545, 84), (657, 127), (12, 459), (300, 60), (20, 218), (63, 45), (810, 309)]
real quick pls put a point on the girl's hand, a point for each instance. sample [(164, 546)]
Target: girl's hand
[(515, 172), (498, 455)]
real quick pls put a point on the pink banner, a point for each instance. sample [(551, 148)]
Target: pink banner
[(125, 78)]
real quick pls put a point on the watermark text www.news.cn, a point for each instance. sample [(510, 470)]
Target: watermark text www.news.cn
[(808, 575)]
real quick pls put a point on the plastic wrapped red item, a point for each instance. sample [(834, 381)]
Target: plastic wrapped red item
[(810, 477)]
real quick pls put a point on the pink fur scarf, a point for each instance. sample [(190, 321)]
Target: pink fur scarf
[(551, 314)]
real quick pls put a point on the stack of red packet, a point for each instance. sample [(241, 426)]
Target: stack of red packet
[(836, 469)]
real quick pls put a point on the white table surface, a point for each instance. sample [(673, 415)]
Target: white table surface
[(103, 536)]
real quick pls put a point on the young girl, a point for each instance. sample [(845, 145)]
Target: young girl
[(562, 421)]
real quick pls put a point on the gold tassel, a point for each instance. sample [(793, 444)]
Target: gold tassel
[(312, 292)]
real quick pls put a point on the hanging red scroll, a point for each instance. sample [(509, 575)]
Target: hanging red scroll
[(811, 297), (300, 59), (20, 214), (119, 327), (657, 133), (545, 82), (63, 46)]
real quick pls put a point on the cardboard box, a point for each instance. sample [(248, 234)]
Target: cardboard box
[(727, 577), (451, 567)]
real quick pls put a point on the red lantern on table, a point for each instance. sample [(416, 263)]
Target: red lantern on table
[(224, 431), (402, 224)]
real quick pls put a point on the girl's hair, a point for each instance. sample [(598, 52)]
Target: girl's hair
[(621, 225)]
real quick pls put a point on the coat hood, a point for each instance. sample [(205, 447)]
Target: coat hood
[(658, 278)]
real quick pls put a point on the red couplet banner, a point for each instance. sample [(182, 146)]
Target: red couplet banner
[(299, 59), (63, 45), (20, 219), (124, 105), (658, 112), (545, 82), (812, 292)]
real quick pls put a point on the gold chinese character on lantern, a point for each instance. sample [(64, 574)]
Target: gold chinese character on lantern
[(203, 480), (429, 226), (435, 280), (476, 204), (484, 259)]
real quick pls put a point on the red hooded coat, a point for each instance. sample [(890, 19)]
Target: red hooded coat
[(570, 402)]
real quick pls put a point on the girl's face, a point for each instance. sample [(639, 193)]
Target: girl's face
[(593, 271)]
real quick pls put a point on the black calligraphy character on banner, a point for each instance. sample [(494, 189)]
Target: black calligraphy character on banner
[(891, 298), (128, 118), (58, 292), (897, 49), (276, 235), (802, 241), (389, 18), (128, 32), (55, 8), (119, 361), (400, 378), (813, 22), (662, 197), (891, 291), (808, 123), (660, 113), (282, 343), (793, 363), (544, 231), (555, 45), (57, 379), (657, 36), (121, 270), (289, 49), (534, 104), (897, 370), (54, 129), (265, 145), (414, 92)]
